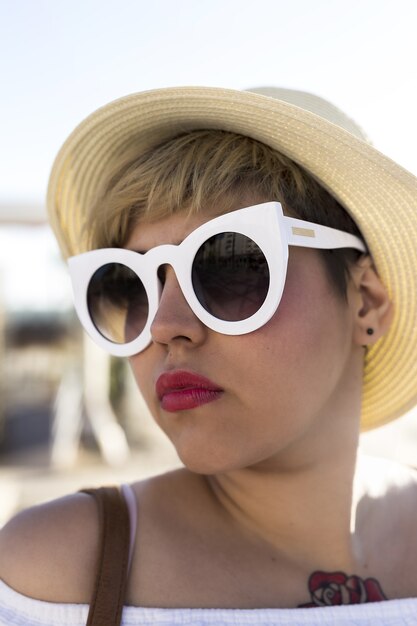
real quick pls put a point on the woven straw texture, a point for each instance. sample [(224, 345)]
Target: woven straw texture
[(379, 194)]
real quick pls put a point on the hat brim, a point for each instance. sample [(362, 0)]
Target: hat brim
[(379, 195)]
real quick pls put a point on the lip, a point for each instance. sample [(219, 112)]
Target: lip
[(180, 390)]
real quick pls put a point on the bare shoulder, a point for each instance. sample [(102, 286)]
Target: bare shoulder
[(386, 481), (386, 521), (49, 552), (388, 491)]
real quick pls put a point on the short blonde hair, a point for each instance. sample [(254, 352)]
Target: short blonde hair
[(201, 168)]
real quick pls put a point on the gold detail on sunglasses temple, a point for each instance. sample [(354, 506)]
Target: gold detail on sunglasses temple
[(304, 232)]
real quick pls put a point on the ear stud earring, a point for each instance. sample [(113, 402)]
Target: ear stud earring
[(370, 331)]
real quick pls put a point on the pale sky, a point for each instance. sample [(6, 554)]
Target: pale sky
[(61, 59)]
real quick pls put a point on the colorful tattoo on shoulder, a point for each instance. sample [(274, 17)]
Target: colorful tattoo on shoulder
[(327, 589)]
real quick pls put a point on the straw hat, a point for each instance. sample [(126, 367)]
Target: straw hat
[(379, 195)]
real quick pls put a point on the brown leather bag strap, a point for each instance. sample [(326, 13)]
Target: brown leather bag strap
[(112, 568)]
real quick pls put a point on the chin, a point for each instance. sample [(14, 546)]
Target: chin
[(202, 460), (201, 464)]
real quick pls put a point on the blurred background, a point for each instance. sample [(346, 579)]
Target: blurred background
[(69, 416)]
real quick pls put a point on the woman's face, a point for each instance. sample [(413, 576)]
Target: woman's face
[(275, 388)]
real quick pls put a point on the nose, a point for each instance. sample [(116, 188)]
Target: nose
[(175, 323)]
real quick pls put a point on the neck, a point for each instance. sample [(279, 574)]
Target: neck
[(300, 506)]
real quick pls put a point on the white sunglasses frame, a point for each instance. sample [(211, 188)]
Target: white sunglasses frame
[(264, 223)]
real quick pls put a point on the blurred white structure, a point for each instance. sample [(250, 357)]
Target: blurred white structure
[(86, 389)]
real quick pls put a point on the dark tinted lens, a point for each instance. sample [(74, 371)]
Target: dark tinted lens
[(230, 276), (117, 303)]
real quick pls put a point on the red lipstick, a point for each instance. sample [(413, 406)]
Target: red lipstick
[(179, 390)]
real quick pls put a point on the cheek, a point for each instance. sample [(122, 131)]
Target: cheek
[(301, 353), (297, 350)]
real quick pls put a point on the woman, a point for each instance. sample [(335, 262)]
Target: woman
[(257, 265)]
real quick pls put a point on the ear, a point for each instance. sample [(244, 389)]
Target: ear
[(372, 307)]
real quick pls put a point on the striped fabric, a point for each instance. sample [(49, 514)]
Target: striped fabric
[(18, 610)]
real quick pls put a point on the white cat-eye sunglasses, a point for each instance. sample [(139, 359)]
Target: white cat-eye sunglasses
[(231, 270)]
